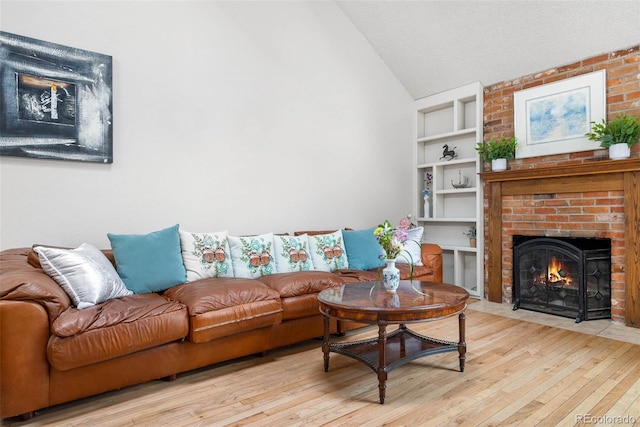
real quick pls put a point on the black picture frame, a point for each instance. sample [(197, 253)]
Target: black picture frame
[(56, 102)]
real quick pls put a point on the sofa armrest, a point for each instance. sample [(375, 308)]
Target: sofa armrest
[(432, 257), (24, 369), (21, 281)]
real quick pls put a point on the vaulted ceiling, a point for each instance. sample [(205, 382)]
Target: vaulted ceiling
[(432, 46)]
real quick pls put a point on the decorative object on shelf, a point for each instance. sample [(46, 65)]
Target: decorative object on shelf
[(428, 179), (553, 118), (392, 241), (463, 182), (502, 149), (618, 136), (427, 203), (471, 234), (448, 154), (426, 193), (499, 165)]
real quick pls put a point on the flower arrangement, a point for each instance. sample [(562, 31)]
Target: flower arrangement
[(428, 179), (392, 239)]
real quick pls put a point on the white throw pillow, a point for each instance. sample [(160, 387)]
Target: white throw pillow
[(412, 253), (206, 255), (292, 253), (252, 256), (85, 274), (328, 252)]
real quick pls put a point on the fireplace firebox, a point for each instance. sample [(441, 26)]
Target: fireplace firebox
[(564, 276)]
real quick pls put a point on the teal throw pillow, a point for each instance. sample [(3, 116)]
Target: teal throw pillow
[(149, 262), (363, 250)]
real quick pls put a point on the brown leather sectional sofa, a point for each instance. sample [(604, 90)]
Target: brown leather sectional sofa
[(51, 352)]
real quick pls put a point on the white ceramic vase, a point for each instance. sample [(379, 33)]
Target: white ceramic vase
[(391, 276), (498, 165), (619, 151), (427, 206)]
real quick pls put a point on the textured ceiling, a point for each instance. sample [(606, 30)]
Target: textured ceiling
[(432, 46)]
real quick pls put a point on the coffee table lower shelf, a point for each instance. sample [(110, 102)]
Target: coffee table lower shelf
[(392, 350), (402, 346)]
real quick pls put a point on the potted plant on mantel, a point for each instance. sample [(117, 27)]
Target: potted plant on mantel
[(618, 136), (498, 151)]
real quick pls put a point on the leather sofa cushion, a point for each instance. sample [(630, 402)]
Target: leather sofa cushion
[(300, 306), (349, 275), (418, 271), (224, 306), (301, 282), (22, 281), (114, 328)]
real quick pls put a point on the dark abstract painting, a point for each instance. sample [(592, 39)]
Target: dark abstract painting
[(55, 101)]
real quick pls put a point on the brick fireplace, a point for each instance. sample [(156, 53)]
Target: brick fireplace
[(579, 194), (551, 201)]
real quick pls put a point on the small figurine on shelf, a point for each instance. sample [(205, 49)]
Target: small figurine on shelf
[(448, 154), (463, 181)]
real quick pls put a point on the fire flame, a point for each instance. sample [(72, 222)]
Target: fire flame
[(556, 273)]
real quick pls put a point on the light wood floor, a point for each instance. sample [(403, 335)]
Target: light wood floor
[(517, 373)]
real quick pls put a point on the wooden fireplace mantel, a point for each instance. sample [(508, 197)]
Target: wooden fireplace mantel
[(595, 175)]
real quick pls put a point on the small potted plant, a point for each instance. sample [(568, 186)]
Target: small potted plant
[(471, 234), (618, 136), (498, 151)]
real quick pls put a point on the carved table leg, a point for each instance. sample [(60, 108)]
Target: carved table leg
[(325, 344), (462, 345), (382, 365)]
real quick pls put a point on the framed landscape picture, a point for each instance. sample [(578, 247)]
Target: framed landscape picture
[(55, 101), (554, 118)]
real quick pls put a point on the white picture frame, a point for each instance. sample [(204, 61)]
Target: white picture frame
[(554, 118)]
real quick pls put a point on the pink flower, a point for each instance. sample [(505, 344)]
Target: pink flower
[(401, 235)]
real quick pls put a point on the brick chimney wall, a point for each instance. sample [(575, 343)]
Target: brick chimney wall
[(585, 214)]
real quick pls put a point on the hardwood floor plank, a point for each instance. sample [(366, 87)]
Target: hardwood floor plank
[(624, 381), (628, 403), (519, 394), (517, 373)]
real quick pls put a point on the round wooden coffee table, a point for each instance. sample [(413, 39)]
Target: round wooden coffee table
[(414, 301)]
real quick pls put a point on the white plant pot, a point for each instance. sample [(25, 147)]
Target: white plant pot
[(498, 165), (619, 151)]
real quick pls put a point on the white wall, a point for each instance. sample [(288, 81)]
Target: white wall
[(242, 116)]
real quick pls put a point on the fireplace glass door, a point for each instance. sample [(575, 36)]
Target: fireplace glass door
[(569, 277)]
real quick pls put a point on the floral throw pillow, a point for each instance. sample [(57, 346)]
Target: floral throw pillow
[(206, 255), (292, 253), (412, 252), (252, 256), (328, 252)]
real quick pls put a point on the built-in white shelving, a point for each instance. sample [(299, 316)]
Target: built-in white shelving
[(452, 118)]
